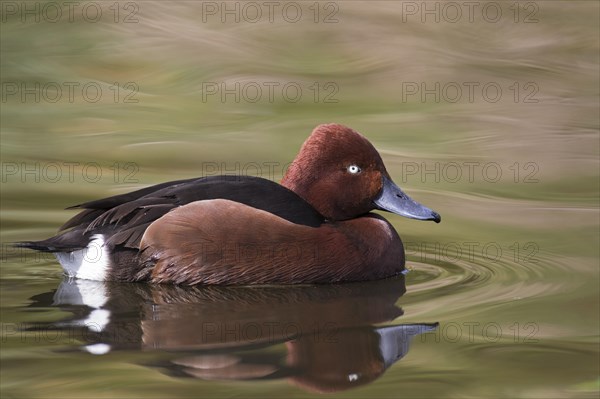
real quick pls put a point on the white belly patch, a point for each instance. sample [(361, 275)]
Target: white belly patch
[(91, 263)]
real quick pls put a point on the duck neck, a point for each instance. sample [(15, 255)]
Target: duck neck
[(303, 183)]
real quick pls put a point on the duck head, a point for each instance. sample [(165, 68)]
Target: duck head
[(341, 174)]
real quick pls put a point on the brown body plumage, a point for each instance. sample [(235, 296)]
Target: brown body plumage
[(191, 245)]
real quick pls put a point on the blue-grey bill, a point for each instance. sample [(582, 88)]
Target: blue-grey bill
[(393, 199)]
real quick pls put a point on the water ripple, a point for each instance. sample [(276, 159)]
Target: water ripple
[(479, 281)]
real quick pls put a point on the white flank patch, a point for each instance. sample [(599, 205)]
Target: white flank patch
[(92, 263)]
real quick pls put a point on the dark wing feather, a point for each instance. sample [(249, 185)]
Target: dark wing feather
[(130, 234), (82, 218), (93, 209), (111, 202), (124, 218)]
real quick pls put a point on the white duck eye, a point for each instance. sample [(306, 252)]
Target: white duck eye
[(354, 169)]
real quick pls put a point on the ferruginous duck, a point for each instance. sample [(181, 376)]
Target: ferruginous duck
[(314, 227)]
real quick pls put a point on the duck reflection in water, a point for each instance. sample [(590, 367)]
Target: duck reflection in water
[(321, 338)]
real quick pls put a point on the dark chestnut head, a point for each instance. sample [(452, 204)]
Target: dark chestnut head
[(341, 174)]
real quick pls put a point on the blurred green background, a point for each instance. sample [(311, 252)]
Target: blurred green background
[(102, 97)]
